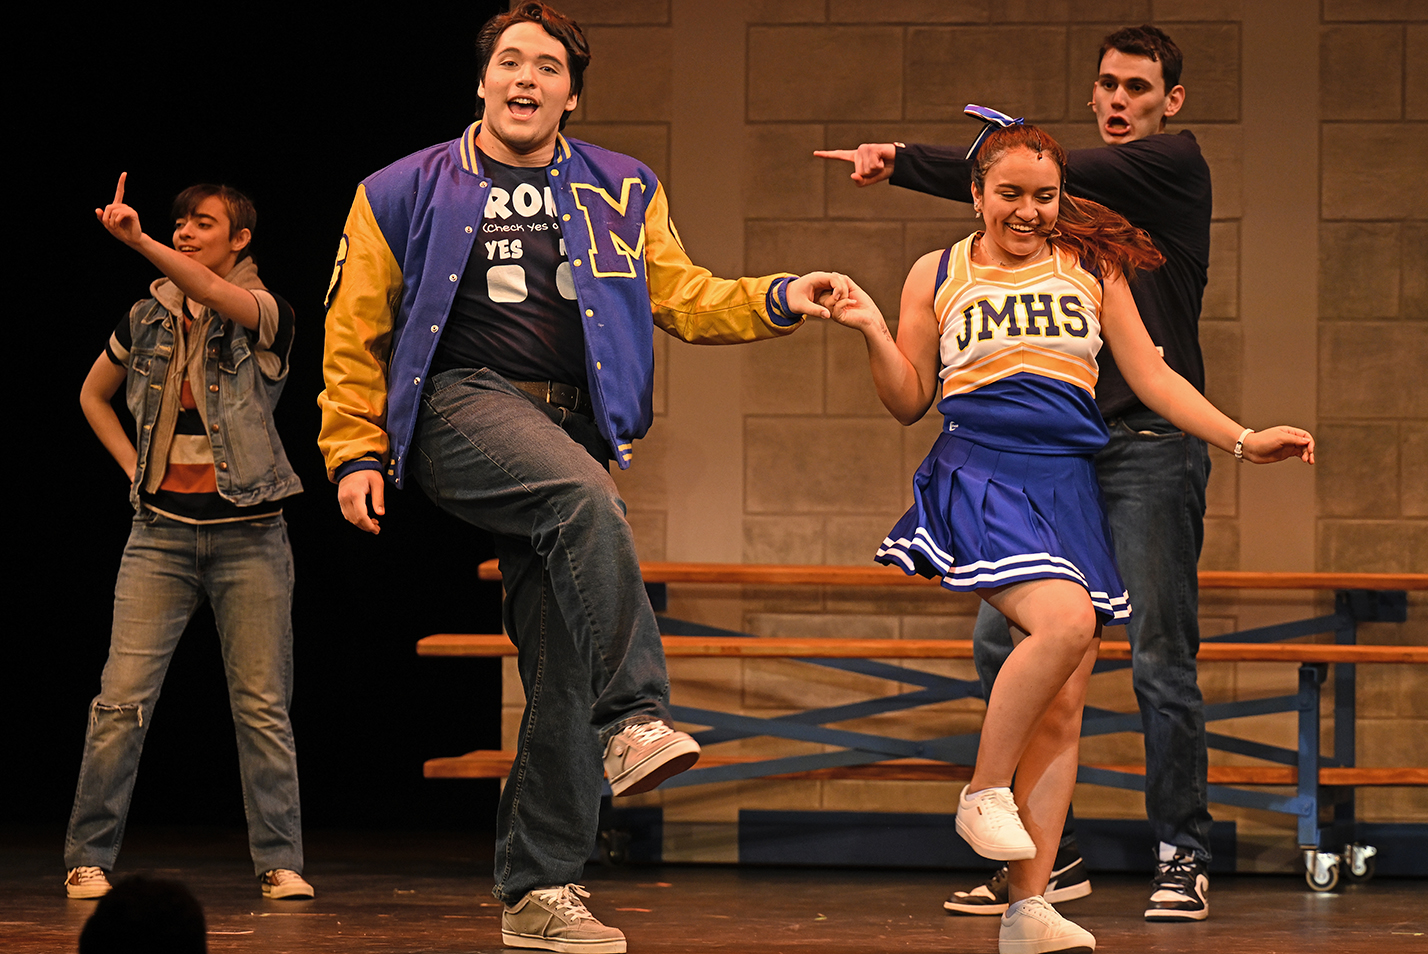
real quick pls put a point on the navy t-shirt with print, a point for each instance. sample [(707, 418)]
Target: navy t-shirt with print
[(515, 309)]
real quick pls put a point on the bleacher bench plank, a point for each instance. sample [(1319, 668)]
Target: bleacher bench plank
[(497, 764), (768, 574), (813, 647)]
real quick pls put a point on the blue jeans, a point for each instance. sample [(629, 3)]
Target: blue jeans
[(1153, 478), (245, 570), (589, 651)]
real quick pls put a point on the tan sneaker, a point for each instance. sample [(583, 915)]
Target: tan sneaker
[(991, 824), (555, 919), (640, 756), (86, 883), (284, 883), (1034, 927)]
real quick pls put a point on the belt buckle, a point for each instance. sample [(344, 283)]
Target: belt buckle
[(562, 395)]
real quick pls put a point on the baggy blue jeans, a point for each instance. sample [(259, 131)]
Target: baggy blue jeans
[(589, 651), (245, 570), (1153, 477)]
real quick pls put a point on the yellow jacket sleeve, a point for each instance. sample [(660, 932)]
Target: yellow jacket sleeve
[(362, 299), (693, 305)]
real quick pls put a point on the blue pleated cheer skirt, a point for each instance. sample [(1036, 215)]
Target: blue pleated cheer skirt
[(983, 518)]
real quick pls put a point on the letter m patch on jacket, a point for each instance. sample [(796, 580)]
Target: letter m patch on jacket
[(617, 241)]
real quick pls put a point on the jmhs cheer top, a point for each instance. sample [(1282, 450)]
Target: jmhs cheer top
[(1008, 492)]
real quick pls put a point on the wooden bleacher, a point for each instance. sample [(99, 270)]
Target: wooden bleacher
[(496, 763)]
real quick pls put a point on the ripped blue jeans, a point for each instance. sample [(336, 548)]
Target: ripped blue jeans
[(245, 570)]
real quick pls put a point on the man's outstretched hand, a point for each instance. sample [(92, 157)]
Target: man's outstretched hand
[(814, 293), (872, 161)]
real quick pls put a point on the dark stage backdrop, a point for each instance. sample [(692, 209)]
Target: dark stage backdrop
[(293, 108)]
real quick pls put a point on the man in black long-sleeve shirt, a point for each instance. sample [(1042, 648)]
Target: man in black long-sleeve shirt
[(1153, 476)]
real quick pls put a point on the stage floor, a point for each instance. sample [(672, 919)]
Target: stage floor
[(429, 892)]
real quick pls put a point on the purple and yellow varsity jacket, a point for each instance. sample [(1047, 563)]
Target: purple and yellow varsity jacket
[(405, 245)]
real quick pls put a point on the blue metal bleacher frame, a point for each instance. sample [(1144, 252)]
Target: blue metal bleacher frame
[(1310, 800)]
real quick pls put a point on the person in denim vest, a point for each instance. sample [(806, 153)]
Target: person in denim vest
[(202, 362)]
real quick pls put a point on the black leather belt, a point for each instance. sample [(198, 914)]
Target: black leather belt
[(558, 395)]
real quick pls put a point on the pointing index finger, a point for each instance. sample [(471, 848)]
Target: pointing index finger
[(119, 189)]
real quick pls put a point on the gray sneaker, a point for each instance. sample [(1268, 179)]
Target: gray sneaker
[(640, 756), (86, 883), (555, 919), (284, 883)]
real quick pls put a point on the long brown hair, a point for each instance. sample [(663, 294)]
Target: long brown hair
[(1086, 229)]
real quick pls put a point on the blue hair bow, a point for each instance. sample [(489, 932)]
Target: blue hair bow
[(992, 119)]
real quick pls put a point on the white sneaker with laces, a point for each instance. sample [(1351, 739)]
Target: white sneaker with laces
[(990, 823), (640, 756), (86, 883), (555, 919), (1033, 927)]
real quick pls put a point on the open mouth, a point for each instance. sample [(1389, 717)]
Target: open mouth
[(522, 107), (1118, 124)]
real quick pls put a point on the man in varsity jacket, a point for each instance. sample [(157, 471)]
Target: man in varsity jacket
[(489, 331), (1152, 475)]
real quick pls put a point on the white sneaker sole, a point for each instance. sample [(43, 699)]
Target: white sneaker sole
[(679, 755), (972, 907), (537, 943), (1044, 945), (1171, 914)]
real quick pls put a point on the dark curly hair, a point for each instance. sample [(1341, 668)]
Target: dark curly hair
[(1148, 41), (557, 24)]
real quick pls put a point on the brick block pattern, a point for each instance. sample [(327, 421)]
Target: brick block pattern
[(825, 471)]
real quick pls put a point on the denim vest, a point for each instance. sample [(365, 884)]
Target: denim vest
[(237, 402)]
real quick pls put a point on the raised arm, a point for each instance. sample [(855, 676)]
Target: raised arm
[(872, 161), (100, 385), (942, 171), (692, 304), (195, 280), (1173, 398), (905, 369)]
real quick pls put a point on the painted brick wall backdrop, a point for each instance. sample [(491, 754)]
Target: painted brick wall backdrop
[(1312, 121)]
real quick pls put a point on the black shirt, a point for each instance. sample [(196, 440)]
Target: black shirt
[(515, 310), (1162, 185)]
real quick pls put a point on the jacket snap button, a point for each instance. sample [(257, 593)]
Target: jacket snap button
[(213, 388)]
